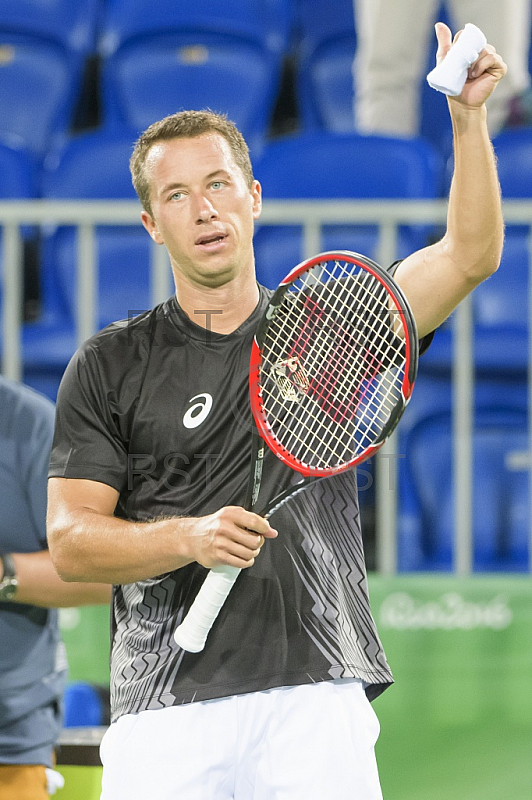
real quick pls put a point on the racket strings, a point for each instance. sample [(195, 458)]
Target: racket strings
[(324, 430), (345, 350), (340, 355), (329, 389)]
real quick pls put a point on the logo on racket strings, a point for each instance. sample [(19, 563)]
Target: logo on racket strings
[(291, 379)]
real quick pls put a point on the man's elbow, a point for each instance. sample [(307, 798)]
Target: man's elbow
[(493, 252), (482, 266), (62, 552), (492, 261)]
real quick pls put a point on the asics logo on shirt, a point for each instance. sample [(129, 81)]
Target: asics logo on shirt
[(199, 412)]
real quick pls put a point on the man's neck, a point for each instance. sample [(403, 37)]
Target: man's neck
[(220, 309)]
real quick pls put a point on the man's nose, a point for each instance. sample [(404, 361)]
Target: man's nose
[(205, 210)]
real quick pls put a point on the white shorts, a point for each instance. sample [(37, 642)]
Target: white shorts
[(312, 742)]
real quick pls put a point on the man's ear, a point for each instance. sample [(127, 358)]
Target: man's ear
[(151, 226), (256, 193)]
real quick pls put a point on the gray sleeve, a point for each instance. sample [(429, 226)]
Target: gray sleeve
[(34, 463)]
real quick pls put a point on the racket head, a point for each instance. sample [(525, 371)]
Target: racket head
[(333, 363)]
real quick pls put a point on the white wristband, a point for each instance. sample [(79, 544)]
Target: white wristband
[(450, 75)]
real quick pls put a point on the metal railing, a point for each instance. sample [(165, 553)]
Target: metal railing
[(311, 215)]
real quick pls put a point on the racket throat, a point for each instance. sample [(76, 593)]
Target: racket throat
[(255, 473)]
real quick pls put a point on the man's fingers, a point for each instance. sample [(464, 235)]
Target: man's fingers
[(242, 554), (488, 61), (253, 522), (445, 40), (230, 536)]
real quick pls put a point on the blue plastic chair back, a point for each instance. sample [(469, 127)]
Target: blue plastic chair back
[(324, 165), (159, 57), (267, 21), (19, 175), (500, 304), (96, 166), (326, 45), (426, 493), (149, 78), (83, 706), (73, 24), (39, 85), (513, 149)]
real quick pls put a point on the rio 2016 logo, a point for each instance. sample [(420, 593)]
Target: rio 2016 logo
[(450, 611)]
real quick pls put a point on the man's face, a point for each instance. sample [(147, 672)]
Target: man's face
[(202, 209)]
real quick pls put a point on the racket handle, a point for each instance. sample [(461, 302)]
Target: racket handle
[(192, 633)]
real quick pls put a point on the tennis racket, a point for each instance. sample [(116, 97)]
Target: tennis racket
[(332, 367)]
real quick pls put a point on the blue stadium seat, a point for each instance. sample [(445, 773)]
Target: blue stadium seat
[(325, 48), (158, 58), (147, 80), (500, 497), (500, 304), (83, 706), (501, 312), (326, 165), (19, 182), (500, 319), (43, 47), (513, 148), (39, 84), (124, 20), (90, 166), (19, 173), (73, 24), (96, 166)]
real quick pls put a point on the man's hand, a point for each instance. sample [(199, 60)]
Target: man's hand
[(231, 536), (483, 76)]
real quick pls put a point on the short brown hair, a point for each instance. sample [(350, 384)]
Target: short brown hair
[(186, 125)]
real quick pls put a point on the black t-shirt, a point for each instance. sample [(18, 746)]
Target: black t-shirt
[(157, 407)]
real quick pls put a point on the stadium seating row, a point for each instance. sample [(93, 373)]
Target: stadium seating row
[(155, 57), (95, 166), (501, 463)]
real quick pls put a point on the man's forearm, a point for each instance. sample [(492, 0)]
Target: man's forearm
[(475, 226), (96, 547), (40, 585), (89, 543)]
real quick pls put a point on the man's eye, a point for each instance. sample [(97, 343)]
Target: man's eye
[(217, 184)]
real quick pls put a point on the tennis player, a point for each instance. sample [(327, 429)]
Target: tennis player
[(148, 476)]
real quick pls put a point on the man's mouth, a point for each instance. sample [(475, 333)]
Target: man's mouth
[(214, 238)]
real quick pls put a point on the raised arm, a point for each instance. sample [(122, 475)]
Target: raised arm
[(438, 277), (88, 543)]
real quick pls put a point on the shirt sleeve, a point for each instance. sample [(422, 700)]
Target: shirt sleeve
[(35, 463), (89, 441)]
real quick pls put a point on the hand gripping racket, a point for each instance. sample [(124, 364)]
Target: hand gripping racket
[(332, 368)]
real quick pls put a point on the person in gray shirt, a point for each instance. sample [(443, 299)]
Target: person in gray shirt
[(33, 666)]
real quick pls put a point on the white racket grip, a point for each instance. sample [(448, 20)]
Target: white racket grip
[(450, 75), (192, 634)]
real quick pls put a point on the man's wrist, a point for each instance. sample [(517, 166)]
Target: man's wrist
[(8, 581), (462, 110)]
